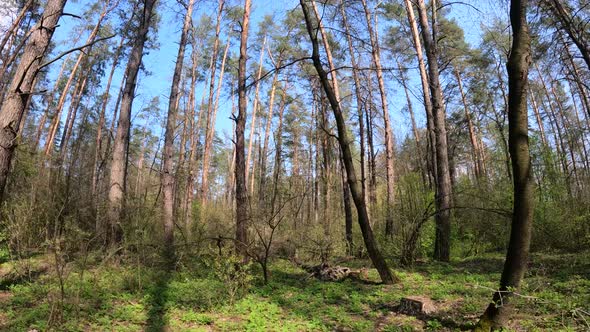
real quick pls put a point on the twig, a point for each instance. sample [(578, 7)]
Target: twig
[(73, 50)]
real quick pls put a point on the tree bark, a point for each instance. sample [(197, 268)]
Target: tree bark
[(263, 160), (420, 153), (209, 126), (102, 119), (431, 153), (49, 102), (168, 177), (477, 164), (20, 89), (539, 120), (71, 118), (119, 156), (389, 148), (496, 315), (442, 250), (254, 111), (347, 210), (242, 212), (358, 100)]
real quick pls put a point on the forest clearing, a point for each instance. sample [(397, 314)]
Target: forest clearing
[(311, 165), (128, 297)]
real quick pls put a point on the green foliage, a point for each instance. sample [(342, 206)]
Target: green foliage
[(199, 294), (234, 274), (104, 297)]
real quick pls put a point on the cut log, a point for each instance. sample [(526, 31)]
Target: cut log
[(417, 305), (327, 272)]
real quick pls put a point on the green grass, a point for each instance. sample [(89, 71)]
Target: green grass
[(556, 293)]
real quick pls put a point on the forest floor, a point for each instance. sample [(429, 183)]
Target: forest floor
[(129, 297)]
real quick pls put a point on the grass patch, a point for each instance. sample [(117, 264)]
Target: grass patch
[(113, 297)]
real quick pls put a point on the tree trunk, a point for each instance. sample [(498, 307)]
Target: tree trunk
[(62, 99), (119, 157), (209, 126), (20, 89), (363, 218), (347, 210), (278, 150), (358, 100), (194, 140), (539, 120), (431, 153), (8, 59), (477, 164), (389, 149), (496, 315), (578, 32), (49, 102), (442, 250), (254, 111), (101, 119), (242, 213), (168, 177), (71, 118), (420, 153), (262, 186)]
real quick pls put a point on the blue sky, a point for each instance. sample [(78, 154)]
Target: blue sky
[(469, 14)]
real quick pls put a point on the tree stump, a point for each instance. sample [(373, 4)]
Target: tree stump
[(416, 305)]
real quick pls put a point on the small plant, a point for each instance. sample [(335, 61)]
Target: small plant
[(234, 273), (434, 325)]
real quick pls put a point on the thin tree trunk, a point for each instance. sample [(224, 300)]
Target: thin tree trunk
[(389, 149), (431, 153), (557, 131), (62, 99), (477, 164), (102, 117), (210, 134), (500, 126), (363, 218), (209, 126), (139, 181), (358, 100), (242, 213), (442, 250), (49, 102), (191, 185), (262, 186), (71, 118), (119, 157), (254, 110), (420, 155), (347, 210), (279, 149), (539, 120), (561, 118), (168, 177), (497, 312), (372, 155)]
